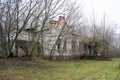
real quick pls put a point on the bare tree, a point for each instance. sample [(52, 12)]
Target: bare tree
[(73, 16), (51, 9), (98, 37), (16, 17)]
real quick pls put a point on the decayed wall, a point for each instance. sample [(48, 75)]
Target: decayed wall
[(65, 45), (69, 46), (51, 37)]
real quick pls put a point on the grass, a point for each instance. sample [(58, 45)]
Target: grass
[(17, 69)]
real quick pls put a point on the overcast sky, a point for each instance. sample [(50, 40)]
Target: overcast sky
[(111, 8)]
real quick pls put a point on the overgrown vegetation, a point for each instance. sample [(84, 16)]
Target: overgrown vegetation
[(22, 69)]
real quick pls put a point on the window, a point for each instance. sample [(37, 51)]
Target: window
[(65, 46)]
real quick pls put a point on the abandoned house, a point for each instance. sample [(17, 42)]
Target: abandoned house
[(57, 41)]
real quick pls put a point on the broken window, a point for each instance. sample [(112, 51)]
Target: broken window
[(73, 46), (65, 46)]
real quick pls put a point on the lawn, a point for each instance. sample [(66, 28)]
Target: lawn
[(23, 69)]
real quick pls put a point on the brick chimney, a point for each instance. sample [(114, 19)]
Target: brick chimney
[(57, 24), (61, 20), (53, 23)]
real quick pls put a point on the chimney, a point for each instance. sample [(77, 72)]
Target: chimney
[(61, 20), (53, 23)]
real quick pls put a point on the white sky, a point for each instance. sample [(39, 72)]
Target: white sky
[(111, 8)]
